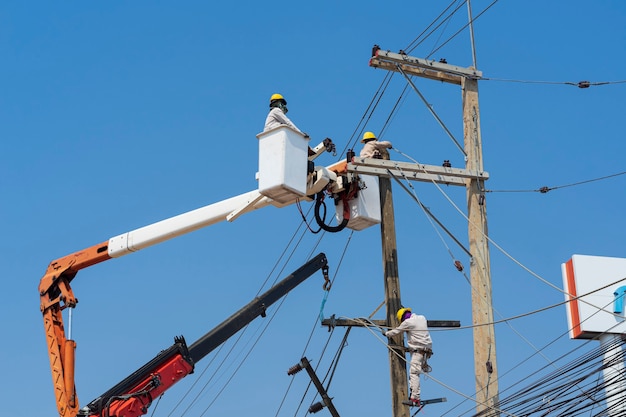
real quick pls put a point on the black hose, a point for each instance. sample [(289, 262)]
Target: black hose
[(319, 201)]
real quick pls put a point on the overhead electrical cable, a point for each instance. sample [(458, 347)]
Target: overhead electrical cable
[(508, 255), (369, 325), (540, 310), (552, 363), (460, 270), (369, 111), (429, 213), (443, 21), (261, 330), (198, 379), (411, 45), (545, 189), (315, 326), (463, 27), (304, 394), (558, 393), (399, 99), (571, 298), (579, 84), (267, 322), (444, 25), (243, 332), (392, 113), (430, 108), (454, 260)]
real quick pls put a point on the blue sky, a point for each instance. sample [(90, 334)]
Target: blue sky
[(120, 114)]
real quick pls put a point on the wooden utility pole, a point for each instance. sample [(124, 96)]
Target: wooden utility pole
[(485, 366), (473, 179), (397, 358)]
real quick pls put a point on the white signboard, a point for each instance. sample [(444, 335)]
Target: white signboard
[(595, 287)]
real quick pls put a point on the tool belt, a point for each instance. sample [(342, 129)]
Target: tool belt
[(426, 352)]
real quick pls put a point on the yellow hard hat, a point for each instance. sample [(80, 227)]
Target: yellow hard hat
[(368, 136), (401, 312), (277, 97)]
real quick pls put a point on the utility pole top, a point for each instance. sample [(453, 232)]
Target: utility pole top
[(435, 70)]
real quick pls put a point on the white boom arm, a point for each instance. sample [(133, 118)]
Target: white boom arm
[(183, 223), (283, 154)]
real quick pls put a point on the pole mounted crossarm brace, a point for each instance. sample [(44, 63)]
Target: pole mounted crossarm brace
[(417, 172), (434, 70), (430, 109), (333, 322)]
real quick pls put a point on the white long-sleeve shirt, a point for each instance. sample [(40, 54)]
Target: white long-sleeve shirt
[(417, 328), (276, 118), (370, 147)]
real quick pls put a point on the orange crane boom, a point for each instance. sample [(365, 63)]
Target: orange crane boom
[(275, 189)]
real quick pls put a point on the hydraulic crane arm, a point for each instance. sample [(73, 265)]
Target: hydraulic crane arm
[(56, 293), (132, 396), (281, 187)]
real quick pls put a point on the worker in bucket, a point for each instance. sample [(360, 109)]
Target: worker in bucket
[(420, 346), (278, 115), (372, 146)]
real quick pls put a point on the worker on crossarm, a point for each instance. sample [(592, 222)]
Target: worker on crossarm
[(420, 346), (372, 146), (278, 115)]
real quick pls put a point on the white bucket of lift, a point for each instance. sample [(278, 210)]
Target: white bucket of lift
[(365, 207), (283, 158)]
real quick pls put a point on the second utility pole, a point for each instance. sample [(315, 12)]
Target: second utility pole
[(397, 361)]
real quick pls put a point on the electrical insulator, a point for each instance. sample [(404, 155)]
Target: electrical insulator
[(294, 369), (458, 265), (316, 407), (489, 367)]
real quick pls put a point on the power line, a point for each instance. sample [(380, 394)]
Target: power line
[(414, 43), (579, 84), (550, 396), (545, 189), (464, 26)]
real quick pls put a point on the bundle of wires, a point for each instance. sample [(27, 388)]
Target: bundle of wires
[(582, 387)]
